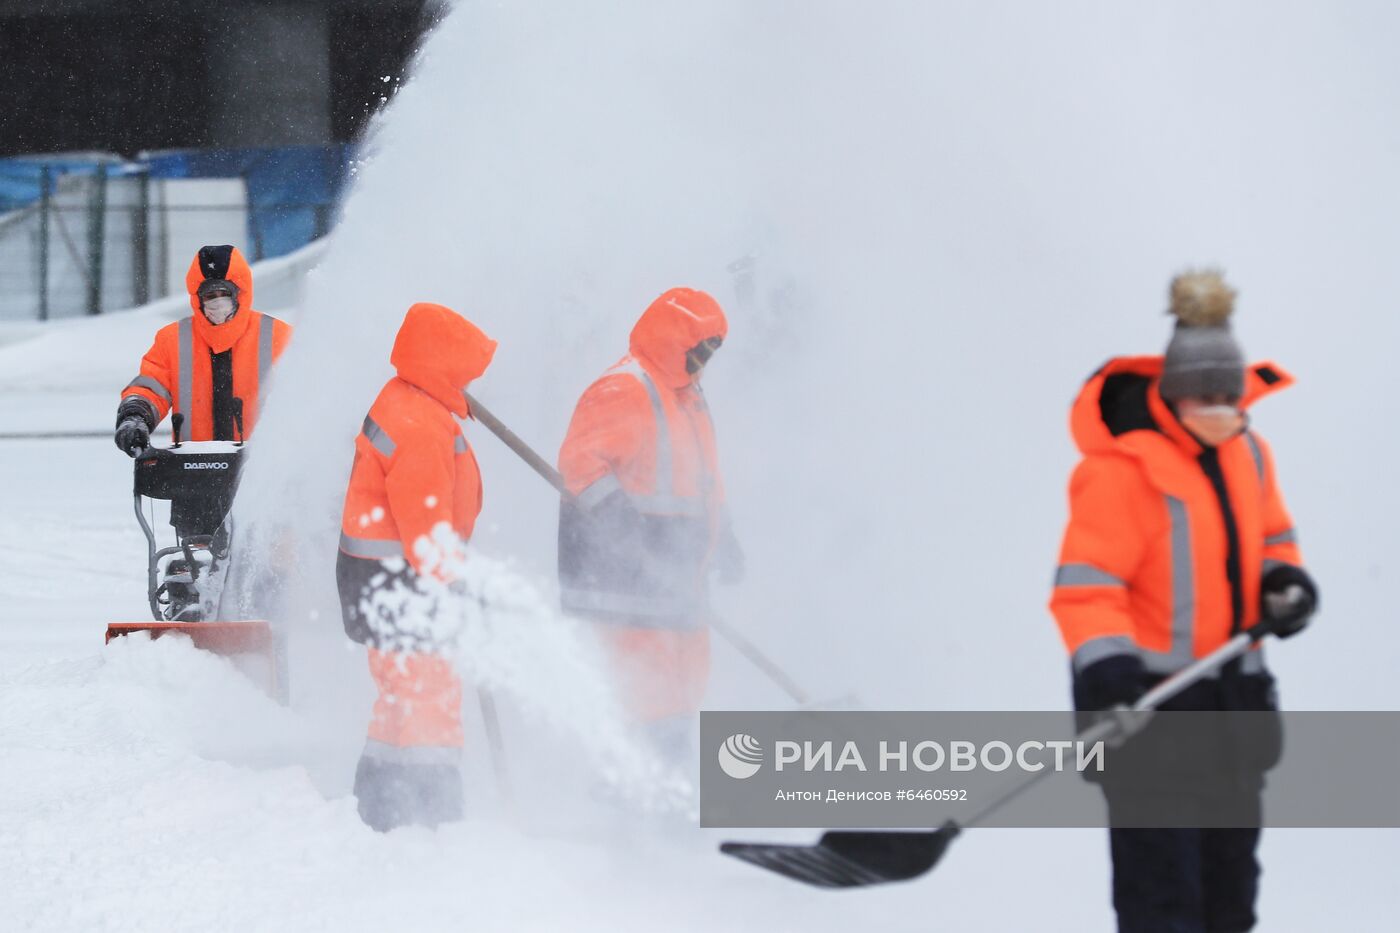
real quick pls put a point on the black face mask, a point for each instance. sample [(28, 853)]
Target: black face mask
[(697, 356)]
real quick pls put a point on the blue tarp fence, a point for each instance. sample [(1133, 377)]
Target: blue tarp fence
[(22, 178), (292, 190)]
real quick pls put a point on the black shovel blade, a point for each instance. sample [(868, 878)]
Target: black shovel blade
[(851, 858)]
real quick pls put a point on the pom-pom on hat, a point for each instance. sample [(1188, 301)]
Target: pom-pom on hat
[(1202, 358)]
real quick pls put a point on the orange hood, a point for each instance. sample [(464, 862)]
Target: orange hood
[(221, 262), (1122, 397), (441, 352), (676, 322)]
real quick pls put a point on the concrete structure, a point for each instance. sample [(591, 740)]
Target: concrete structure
[(113, 76)]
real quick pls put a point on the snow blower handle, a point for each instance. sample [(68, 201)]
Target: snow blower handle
[(177, 421), (238, 418)]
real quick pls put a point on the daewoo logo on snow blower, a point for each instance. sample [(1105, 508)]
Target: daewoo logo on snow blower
[(741, 756), (206, 466)]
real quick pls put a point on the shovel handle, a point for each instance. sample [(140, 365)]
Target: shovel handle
[(1199, 668), (522, 450), (1127, 722), (553, 477), (761, 661)]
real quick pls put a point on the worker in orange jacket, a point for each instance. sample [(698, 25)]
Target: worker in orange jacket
[(1178, 538), (211, 368), (413, 499), (647, 515)]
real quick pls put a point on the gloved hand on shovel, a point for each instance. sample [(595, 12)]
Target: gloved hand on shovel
[(1288, 599), (1117, 680)]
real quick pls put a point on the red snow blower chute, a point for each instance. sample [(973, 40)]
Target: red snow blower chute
[(184, 582)]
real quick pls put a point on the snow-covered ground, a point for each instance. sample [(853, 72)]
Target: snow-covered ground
[(929, 223)]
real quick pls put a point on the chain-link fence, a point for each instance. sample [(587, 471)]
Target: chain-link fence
[(104, 237)]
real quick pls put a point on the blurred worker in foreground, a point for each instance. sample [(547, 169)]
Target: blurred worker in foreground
[(211, 368), (413, 499), (1178, 539), (647, 518)]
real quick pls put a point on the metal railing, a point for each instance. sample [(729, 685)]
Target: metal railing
[(112, 238)]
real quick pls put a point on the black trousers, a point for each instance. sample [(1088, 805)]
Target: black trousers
[(1192, 880), (391, 794), (1184, 880), (376, 623)]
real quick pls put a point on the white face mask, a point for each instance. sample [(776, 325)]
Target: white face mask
[(219, 310), (1212, 425)]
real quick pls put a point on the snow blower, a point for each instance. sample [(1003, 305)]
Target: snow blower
[(183, 581)]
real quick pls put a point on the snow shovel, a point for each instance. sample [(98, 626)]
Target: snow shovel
[(858, 858), (745, 647), (492, 724)]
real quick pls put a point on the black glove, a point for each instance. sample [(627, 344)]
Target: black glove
[(133, 436), (1119, 679), (1287, 599), (135, 420)]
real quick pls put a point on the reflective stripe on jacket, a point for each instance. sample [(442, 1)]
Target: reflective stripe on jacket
[(1166, 541), (185, 370), (415, 488), (408, 479), (178, 373), (643, 430)]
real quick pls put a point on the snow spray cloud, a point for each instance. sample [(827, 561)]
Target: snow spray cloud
[(927, 222), (495, 627), (552, 237)]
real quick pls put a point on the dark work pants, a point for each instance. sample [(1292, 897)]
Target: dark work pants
[(1184, 880), (392, 794)]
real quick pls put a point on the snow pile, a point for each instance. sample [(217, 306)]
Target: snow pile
[(155, 787)]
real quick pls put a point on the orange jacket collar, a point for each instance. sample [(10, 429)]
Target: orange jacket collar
[(221, 337), (1168, 424), (1093, 434), (441, 352), (671, 326)]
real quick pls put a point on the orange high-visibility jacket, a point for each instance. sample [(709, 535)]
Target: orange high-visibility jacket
[(178, 372), (415, 490), (643, 429), (1155, 560)]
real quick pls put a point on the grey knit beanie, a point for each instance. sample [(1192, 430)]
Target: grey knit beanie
[(1203, 358)]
